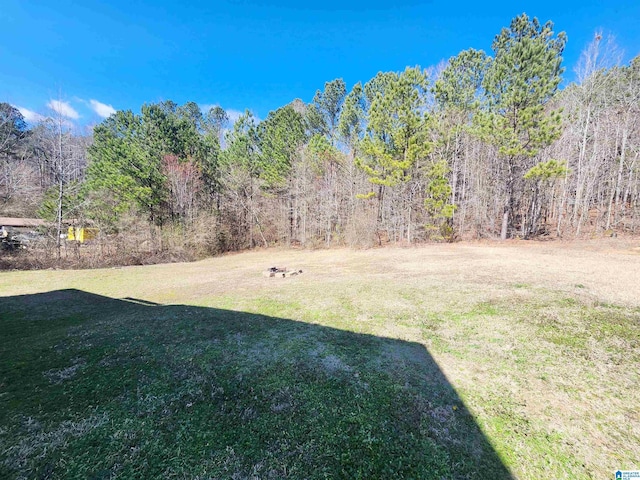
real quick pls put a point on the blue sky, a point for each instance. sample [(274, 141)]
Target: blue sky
[(96, 56)]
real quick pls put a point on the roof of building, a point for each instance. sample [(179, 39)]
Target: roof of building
[(21, 222)]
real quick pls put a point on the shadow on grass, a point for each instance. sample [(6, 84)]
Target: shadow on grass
[(95, 387)]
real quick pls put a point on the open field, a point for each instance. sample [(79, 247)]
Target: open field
[(518, 360)]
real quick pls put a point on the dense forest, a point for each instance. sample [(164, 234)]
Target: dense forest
[(486, 145)]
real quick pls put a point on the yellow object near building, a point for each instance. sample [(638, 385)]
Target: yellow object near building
[(81, 234)]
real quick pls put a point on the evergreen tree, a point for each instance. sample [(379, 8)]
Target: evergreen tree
[(13, 133), (239, 178), (352, 116), (328, 104), (122, 164), (438, 202), (521, 80), (281, 135), (396, 133)]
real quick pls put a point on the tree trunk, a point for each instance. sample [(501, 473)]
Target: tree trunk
[(59, 215), (505, 224), (60, 173)]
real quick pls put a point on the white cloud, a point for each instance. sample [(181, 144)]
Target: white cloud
[(63, 108), (233, 115), (29, 115), (102, 109)]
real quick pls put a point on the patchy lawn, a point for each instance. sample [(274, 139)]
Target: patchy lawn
[(453, 361)]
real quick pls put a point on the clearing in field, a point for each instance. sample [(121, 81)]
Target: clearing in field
[(445, 361)]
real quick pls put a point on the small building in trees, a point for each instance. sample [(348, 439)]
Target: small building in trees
[(81, 234), (17, 232)]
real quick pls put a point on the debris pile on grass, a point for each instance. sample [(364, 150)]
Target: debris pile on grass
[(281, 272)]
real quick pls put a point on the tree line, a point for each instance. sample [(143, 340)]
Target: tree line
[(486, 145)]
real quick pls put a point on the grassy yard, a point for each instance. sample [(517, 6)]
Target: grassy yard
[(449, 361)]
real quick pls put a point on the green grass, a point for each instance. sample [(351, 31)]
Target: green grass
[(98, 388), (339, 375)]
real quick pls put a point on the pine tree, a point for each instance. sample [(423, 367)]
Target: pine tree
[(521, 80), (396, 128)]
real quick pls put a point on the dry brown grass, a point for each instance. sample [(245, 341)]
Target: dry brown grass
[(605, 271)]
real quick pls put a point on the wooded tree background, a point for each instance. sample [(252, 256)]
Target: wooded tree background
[(487, 146)]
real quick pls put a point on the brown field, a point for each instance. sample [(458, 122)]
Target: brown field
[(607, 270)]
